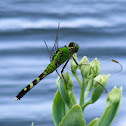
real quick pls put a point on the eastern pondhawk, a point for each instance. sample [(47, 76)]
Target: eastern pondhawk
[(60, 56)]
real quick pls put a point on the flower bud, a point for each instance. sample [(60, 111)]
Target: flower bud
[(112, 107), (100, 83), (65, 85), (74, 66), (95, 67), (69, 81), (84, 67)]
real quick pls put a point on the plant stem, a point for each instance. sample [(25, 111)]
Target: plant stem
[(78, 79), (88, 89), (87, 103), (73, 97), (82, 93)]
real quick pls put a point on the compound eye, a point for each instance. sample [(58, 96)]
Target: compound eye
[(71, 44)]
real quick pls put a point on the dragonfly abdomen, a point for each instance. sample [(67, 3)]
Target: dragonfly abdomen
[(50, 68), (59, 58), (29, 87)]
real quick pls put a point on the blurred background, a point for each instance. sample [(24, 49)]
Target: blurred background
[(99, 27)]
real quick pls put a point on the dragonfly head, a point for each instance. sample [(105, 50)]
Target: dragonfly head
[(74, 47)]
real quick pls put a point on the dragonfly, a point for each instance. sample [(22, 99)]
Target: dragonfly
[(60, 56)]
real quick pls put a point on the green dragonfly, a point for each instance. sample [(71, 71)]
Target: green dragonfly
[(61, 55)]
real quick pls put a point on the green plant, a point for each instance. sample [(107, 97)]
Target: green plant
[(66, 111)]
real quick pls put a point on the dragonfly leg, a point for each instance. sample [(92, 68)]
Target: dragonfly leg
[(63, 69), (64, 66), (57, 72), (75, 61)]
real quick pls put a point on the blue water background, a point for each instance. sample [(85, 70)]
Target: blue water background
[(98, 26)]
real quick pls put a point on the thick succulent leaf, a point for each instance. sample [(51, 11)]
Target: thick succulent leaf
[(93, 122), (64, 93), (112, 107), (74, 117), (58, 108)]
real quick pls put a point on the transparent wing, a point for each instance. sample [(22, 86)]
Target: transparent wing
[(108, 66), (50, 55), (55, 47)]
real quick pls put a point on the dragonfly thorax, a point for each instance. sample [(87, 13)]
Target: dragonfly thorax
[(74, 47)]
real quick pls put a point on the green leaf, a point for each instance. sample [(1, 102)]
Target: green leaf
[(32, 124), (72, 96), (63, 91), (112, 107), (117, 100), (92, 123), (58, 108), (103, 80), (74, 117)]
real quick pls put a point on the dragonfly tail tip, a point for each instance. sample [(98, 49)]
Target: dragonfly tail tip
[(15, 98)]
